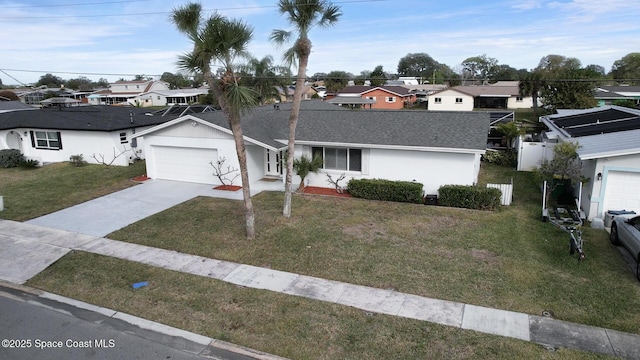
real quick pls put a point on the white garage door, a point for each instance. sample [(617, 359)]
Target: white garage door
[(623, 191), (185, 164)]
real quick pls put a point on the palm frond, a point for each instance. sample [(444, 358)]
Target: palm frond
[(280, 37), (239, 99), (187, 17)]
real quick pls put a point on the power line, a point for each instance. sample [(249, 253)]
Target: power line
[(168, 12), (72, 4)]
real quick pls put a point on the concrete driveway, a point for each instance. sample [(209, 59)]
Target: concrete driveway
[(109, 213)]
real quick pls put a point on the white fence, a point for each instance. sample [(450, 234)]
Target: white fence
[(530, 154), (506, 190)]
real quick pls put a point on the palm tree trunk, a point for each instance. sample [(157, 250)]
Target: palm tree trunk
[(238, 137), (293, 122)]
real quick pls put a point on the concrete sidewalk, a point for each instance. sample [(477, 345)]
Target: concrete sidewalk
[(17, 237)]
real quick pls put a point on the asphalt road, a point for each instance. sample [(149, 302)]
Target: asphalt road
[(35, 328)]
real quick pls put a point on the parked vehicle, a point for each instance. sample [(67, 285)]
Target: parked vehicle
[(626, 232)]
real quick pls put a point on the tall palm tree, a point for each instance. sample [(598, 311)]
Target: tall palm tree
[(267, 77), (221, 40), (531, 86), (303, 15)]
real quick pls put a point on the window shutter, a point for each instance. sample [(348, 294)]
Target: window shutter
[(33, 139), (59, 141), (365, 162)]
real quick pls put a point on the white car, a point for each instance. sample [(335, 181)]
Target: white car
[(626, 232)]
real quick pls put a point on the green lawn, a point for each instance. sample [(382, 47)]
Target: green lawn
[(506, 259), (43, 190)]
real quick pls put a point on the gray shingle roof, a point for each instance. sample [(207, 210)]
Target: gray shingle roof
[(88, 118), (326, 123)]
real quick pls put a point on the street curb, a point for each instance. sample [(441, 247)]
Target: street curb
[(146, 324)]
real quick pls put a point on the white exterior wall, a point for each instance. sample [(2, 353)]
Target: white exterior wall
[(76, 142), (185, 135), (526, 103), (432, 169), (593, 196), (449, 101)]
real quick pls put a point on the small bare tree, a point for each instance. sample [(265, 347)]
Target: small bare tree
[(336, 182), (100, 159), (222, 174)]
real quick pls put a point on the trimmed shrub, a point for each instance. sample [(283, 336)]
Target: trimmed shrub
[(10, 158), (386, 190), (469, 197), (501, 157)]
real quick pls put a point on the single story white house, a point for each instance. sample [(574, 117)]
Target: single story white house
[(168, 97), (433, 148), (501, 95), (609, 139), (54, 134), (121, 92)]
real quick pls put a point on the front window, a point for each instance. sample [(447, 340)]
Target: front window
[(458, 100), (47, 140), (519, 98), (123, 138), (339, 158), (438, 100), (391, 99)]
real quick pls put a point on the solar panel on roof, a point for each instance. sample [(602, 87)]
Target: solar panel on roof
[(598, 122)]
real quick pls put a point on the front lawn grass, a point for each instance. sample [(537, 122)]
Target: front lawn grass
[(507, 259), (288, 326), (43, 190)]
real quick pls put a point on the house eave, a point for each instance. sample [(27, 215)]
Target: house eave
[(202, 122), (391, 147)]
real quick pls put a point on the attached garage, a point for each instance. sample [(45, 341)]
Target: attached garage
[(184, 164), (622, 191)]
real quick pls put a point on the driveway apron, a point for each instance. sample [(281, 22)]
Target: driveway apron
[(104, 215)]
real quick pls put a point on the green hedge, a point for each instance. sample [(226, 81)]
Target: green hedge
[(501, 157), (387, 190), (10, 158), (470, 197)]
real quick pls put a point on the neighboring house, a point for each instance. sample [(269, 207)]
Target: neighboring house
[(54, 134), (121, 92), (609, 139), (501, 95), (375, 97), (428, 147), (287, 96), (608, 95), (168, 97), (35, 96), (14, 105)]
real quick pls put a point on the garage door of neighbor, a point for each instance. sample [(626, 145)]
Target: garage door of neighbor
[(623, 191), (185, 164)]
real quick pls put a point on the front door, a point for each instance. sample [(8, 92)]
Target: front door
[(273, 163)]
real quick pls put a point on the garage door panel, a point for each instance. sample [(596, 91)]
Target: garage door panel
[(623, 191), (185, 164)]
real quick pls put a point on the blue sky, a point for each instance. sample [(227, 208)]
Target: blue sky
[(114, 39)]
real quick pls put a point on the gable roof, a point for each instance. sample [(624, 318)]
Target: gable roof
[(363, 89), (14, 105), (324, 124), (487, 90), (84, 118)]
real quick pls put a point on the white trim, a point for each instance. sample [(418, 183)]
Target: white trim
[(391, 147), (203, 122)]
